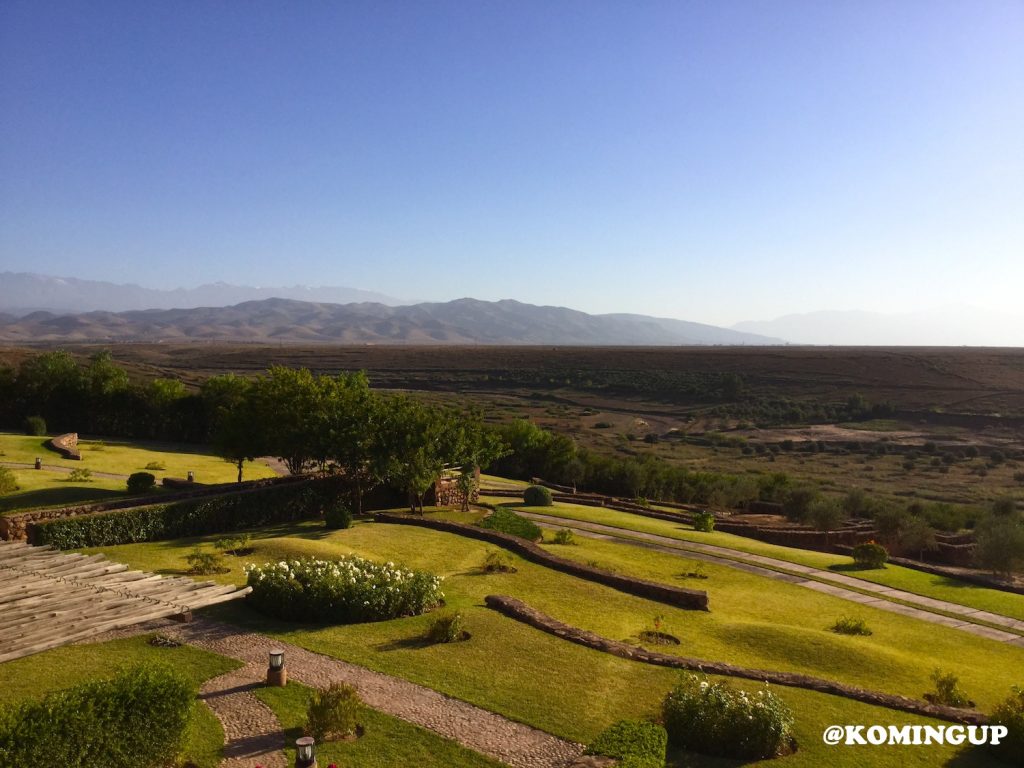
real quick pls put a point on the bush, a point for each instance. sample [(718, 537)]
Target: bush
[(193, 517), (716, 719), (8, 483), (136, 720), (343, 591), (234, 545), (35, 426), (703, 521), (141, 482), (636, 743), (507, 521), (870, 555), (564, 536), (333, 713), (447, 629), (156, 466), (204, 563), (498, 561), (337, 516), (947, 690), (850, 626), (537, 496), (80, 476), (1011, 714)]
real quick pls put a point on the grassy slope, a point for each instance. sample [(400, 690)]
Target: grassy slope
[(921, 583), (39, 488), (386, 742), (35, 676), (575, 692)]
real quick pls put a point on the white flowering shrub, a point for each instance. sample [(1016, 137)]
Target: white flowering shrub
[(717, 719), (342, 591)]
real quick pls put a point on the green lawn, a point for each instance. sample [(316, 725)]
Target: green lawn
[(386, 741), (575, 692), (46, 488), (33, 677), (897, 577)]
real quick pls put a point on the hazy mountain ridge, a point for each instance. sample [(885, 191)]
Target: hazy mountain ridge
[(464, 321), (24, 292)]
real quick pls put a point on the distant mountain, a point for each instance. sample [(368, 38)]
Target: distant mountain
[(23, 292), (465, 321), (950, 326)]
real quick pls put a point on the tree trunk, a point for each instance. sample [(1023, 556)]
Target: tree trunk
[(240, 463)]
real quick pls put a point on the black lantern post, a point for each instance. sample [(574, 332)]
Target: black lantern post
[(305, 752), (277, 674)]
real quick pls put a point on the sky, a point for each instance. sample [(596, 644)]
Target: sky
[(710, 161)]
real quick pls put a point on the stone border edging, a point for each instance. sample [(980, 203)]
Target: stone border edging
[(66, 445), (692, 599), (520, 611)]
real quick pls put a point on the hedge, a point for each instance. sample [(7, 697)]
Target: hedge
[(636, 743), (190, 517), (507, 521), (136, 720)]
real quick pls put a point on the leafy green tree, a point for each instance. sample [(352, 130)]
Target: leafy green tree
[(825, 515), (353, 413), (916, 535), (1000, 541), (239, 435), (290, 406)]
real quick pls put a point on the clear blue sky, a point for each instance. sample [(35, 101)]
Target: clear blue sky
[(714, 161)]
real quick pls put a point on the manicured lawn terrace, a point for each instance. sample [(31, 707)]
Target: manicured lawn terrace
[(33, 677), (897, 577), (386, 741), (575, 692), (47, 488)]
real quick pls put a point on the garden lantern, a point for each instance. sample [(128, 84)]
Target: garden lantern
[(305, 754), (191, 476), (39, 463), (277, 675)]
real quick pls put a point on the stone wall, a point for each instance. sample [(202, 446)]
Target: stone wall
[(663, 593), (66, 445), (520, 611), (447, 492)]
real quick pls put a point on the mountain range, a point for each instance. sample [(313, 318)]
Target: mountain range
[(465, 321)]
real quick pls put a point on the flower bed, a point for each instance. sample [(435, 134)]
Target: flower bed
[(343, 591)]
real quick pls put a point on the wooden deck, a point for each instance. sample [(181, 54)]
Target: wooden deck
[(50, 598)]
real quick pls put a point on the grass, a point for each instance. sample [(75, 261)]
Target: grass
[(386, 741), (575, 692), (897, 577), (32, 677), (46, 488)]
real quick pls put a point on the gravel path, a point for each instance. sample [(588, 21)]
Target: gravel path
[(835, 584), (249, 730)]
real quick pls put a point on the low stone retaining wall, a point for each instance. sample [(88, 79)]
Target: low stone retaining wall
[(66, 445), (693, 599), (520, 611)]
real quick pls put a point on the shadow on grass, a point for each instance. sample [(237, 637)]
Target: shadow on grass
[(982, 757), (852, 568), (55, 497), (678, 758), (414, 643)]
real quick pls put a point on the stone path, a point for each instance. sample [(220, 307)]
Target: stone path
[(255, 738), (60, 468), (880, 596)]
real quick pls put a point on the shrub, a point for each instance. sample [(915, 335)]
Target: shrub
[(850, 626), (80, 476), (447, 628), (636, 743), (8, 483), (497, 561), (603, 425), (35, 426), (156, 466), (193, 517), (564, 536), (948, 690), (716, 719), (204, 563), (1011, 714), (703, 521), (870, 555), (136, 720), (343, 591), (140, 482), (507, 521), (537, 496), (337, 516), (333, 713), (234, 545)]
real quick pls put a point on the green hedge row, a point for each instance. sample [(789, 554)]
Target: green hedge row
[(636, 743), (507, 521), (191, 517), (136, 720)]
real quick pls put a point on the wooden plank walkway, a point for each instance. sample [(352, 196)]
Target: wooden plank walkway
[(50, 598)]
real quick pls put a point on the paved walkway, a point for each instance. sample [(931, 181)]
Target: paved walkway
[(828, 582), (254, 738)]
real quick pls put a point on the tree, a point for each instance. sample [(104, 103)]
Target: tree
[(238, 432), (352, 417), (289, 405), (409, 451), (825, 515), (916, 535), (1000, 544), (471, 446)]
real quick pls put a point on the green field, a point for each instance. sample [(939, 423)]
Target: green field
[(575, 692), (38, 488)]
